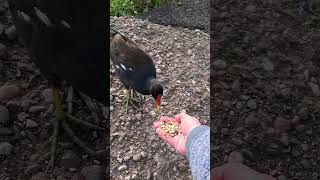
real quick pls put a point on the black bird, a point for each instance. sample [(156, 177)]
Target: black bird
[(66, 40), (134, 68)]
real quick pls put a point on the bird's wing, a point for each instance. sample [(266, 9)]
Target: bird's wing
[(126, 52), (66, 39)]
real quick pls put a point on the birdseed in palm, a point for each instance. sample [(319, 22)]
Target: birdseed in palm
[(170, 129)]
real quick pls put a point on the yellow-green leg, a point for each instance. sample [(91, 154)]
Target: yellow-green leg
[(59, 116), (132, 100), (60, 119)]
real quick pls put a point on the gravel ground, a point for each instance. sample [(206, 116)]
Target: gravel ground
[(192, 14), (265, 86), (182, 62), (25, 112)]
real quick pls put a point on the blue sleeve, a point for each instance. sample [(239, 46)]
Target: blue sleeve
[(198, 152)]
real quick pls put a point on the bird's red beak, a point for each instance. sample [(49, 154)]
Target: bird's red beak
[(158, 101)]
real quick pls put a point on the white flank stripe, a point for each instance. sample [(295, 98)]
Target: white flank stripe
[(123, 66), (43, 17), (66, 24)]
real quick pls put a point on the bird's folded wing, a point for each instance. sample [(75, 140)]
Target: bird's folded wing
[(127, 53)]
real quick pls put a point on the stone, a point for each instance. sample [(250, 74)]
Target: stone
[(306, 164), (5, 148), (36, 109), (61, 177), (268, 65), (251, 119), (40, 176), (9, 92), (4, 116), (221, 64), (315, 89), (70, 160), (31, 124), (139, 117), (282, 124), (303, 113), (32, 169), (281, 177), (92, 172), (236, 86), (235, 157), (252, 104), (284, 139), (136, 157), (153, 114), (47, 95), (22, 116), (5, 131), (122, 167), (305, 147), (251, 8)]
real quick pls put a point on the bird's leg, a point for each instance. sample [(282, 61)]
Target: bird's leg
[(56, 123), (133, 93), (130, 99), (61, 118), (94, 110), (92, 107)]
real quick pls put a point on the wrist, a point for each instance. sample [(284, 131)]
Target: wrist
[(192, 128)]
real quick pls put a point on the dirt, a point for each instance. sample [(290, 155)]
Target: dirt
[(181, 57), (26, 111), (265, 86), (192, 14)]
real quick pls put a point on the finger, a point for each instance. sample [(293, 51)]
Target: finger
[(181, 117), (165, 119), (156, 125), (180, 141)]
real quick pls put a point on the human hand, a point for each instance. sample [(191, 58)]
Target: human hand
[(186, 124), (237, 171)]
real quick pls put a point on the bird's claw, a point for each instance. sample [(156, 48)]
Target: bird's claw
[(134, 102)]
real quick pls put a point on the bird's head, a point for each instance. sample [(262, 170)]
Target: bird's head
[(156, 92)]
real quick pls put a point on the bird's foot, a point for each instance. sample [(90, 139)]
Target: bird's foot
[(132, 100), (63, 119)]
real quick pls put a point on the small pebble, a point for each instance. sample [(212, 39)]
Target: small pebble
[(235, 157), (139, 117), (5, 148), (252, 104), (9, 92), (123, 167), (47, 95), (136, 157), (221, 64), (31, 124), (36, 109), (281, 124), (4, 116), (306, 164), (153, 114)]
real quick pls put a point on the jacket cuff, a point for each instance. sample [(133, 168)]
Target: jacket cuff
[(194, 134)]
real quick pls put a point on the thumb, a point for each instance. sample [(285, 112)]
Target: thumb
[(180, 117)]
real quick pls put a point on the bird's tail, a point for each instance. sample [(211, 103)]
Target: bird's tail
[(113, 32)]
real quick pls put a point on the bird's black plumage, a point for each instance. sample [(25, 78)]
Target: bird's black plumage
[(134, 66), (66, 39)]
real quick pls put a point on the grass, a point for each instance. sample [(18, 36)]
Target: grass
[(133, 7)]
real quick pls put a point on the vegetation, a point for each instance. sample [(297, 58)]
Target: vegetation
[(133, 7)]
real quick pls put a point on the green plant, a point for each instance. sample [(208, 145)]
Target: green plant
[(133, 7)]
